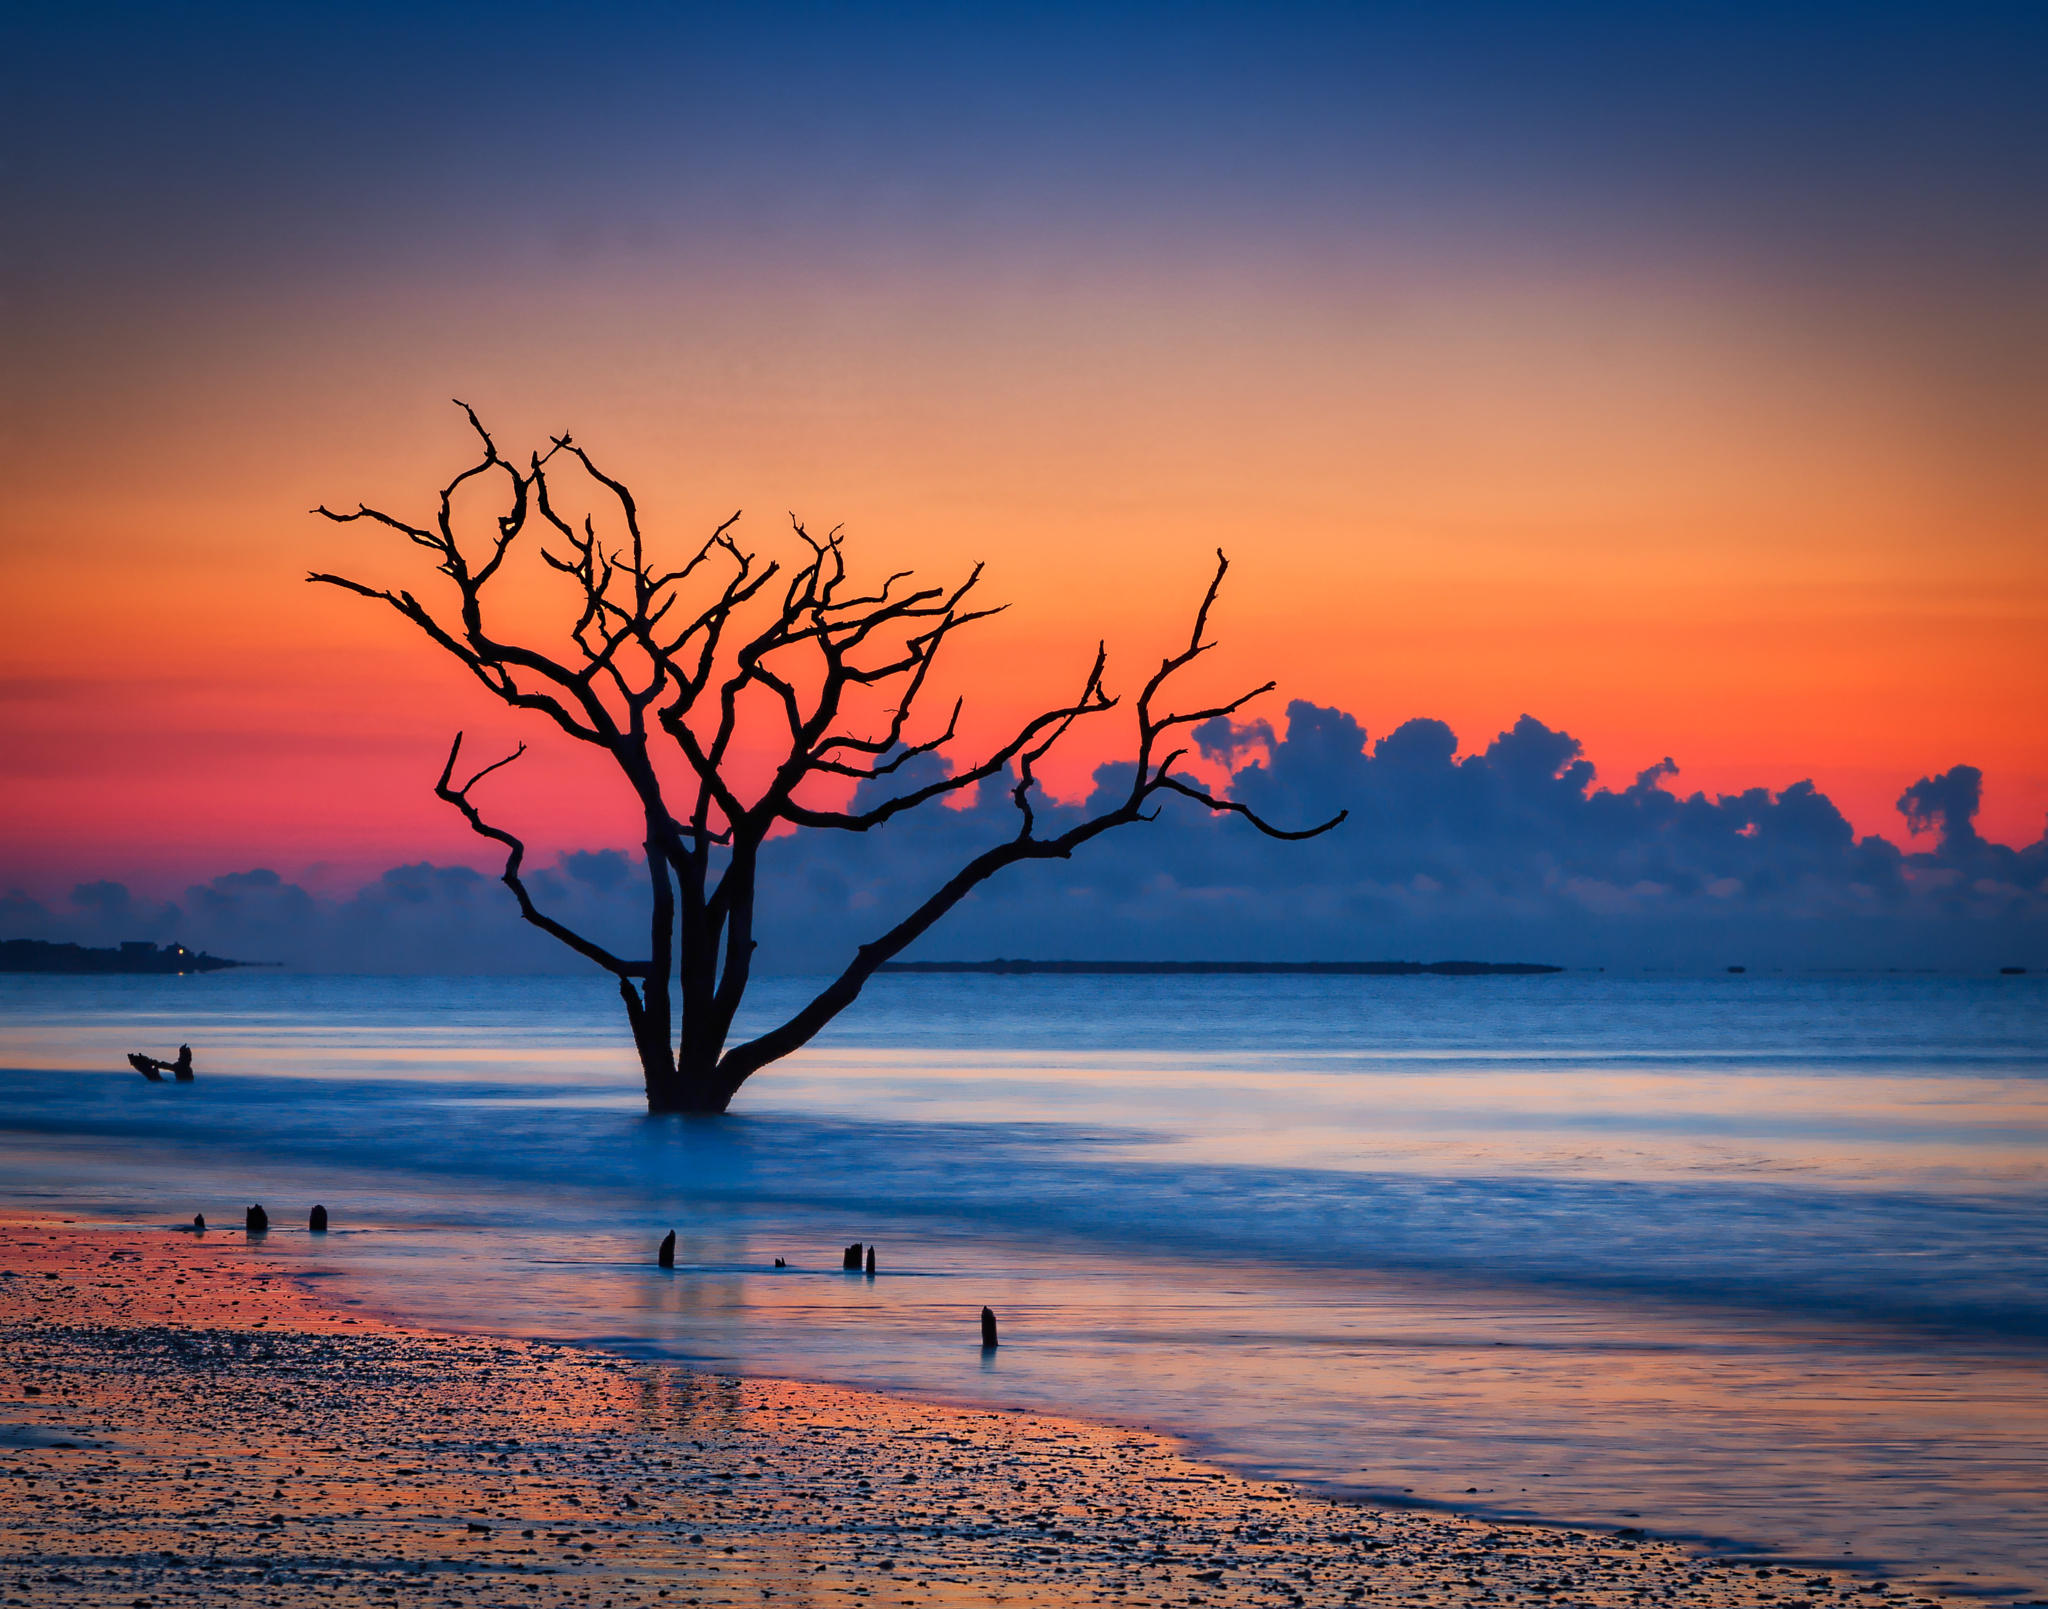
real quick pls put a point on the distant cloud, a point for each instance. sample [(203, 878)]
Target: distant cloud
[(1512, 852), (1947, 802), (1509, 853)]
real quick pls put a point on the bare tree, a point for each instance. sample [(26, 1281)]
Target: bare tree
[(644, 665)]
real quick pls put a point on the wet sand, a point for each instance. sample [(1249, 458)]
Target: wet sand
[(184, 1421)]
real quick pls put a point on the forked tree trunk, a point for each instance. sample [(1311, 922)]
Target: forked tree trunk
[(680, 1060), (686, 1080), (697, 1090)]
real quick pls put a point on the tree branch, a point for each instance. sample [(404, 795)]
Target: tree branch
[(515, 856), (1027, 749)]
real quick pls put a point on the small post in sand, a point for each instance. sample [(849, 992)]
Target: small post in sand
[(666, 1257), (317, 1223), (988, 1330)]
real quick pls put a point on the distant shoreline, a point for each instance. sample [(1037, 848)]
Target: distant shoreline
[(1323, 969), (138, 958)]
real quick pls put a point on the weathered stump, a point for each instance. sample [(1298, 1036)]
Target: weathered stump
[(988, 1330), (666, 1257), (850, 1260), (256, 1221), (317, 1223)]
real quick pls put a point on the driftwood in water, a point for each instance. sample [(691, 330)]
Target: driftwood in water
[(666, 1257), (317, 1223), (153, 1070), (988, 1330), (256, 1221), (850, 1260)]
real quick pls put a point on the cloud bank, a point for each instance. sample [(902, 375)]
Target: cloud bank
[(1513, 852)]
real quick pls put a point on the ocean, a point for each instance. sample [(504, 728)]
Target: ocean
[(1753, 1259)]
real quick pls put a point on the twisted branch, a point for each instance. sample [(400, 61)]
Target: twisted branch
[(515, 857)]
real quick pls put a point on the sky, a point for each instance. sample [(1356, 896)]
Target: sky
[(1508, 852), (1673, 376)]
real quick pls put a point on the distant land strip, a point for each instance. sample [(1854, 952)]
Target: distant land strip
[(39, 955), (1321, 969)]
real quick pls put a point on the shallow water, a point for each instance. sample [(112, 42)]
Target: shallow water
[(1751, 1258)]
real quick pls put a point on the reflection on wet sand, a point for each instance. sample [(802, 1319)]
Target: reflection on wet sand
[(1391, 1387), (187, 1423)]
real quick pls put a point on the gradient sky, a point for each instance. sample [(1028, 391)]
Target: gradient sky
[(1675, 374)]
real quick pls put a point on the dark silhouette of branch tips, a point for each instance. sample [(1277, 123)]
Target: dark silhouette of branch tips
[(676, 673)]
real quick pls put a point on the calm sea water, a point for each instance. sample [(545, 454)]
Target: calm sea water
[(1763, 1261)]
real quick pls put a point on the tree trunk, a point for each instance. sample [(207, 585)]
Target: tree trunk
[(696, 1088)]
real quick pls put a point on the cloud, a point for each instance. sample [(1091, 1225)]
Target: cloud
[(1947, 802), (414, 918), (1512, 852)]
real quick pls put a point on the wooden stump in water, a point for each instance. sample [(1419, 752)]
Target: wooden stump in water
[(317, 1223), (850, 1260), (256, 1221), (666, 1257), (871, 1262), (988, 1330)]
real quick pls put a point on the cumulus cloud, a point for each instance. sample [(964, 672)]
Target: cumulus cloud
[(1946, 803), (1511, 852)]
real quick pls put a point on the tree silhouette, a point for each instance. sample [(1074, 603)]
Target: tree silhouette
[(695, 655)]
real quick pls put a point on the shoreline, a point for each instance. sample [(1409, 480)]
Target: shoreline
[(182, 1419)]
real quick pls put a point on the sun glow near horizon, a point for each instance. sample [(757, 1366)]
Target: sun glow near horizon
[(1486, 429)]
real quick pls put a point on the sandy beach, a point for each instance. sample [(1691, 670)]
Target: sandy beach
[(182, 1420)]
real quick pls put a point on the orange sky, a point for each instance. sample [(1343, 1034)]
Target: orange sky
[(1706, 525), (1778, 513)]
